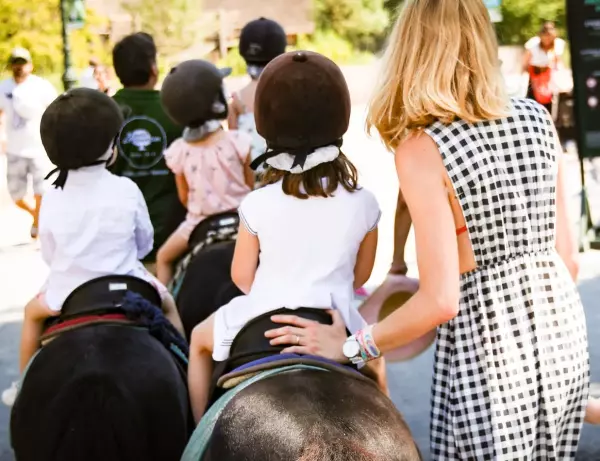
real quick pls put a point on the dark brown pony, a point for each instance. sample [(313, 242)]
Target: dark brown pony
[(310, 415)]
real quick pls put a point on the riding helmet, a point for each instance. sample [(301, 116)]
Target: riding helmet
[(261, 41), (79, 127), (302, 103), (193, 93)]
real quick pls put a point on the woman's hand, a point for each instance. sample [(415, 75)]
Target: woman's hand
[(308, 337)]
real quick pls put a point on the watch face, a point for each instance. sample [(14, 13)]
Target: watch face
[(351, 348)]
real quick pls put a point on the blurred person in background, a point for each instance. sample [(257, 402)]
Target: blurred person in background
[(88, 76), (102, 76), (261, 41), (146, 134), (23, 99), (542, 61)]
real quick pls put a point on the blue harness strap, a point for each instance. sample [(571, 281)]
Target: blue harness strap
[(203, 432)]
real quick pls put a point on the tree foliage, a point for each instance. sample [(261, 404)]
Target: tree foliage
[(174, 24), (522, 19), (361, 22), (36, 25)]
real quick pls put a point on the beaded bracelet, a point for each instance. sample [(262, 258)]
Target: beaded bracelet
[(361, 341), (368, 348)]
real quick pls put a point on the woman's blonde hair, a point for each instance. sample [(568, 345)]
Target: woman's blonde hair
[(441, 64)]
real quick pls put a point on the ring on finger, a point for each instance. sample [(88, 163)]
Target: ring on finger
[(297, 340)]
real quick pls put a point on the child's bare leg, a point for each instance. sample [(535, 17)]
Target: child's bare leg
[(200, 367), (592, 414), (36, 312), (376, 370), (171, 313), (173, 248)]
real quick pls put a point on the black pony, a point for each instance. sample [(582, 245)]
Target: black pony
[(202, 280), (108, 389)]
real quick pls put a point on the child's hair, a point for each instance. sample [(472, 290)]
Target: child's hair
[(133, 59), (320, 181)]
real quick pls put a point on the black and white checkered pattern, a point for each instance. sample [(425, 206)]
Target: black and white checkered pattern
[(511, 370)]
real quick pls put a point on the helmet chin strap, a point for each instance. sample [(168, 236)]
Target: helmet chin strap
[(63, 173)]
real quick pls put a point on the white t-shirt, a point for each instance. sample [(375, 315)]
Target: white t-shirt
[(97, 225), (543, 58), (308, 251), (24, 105)]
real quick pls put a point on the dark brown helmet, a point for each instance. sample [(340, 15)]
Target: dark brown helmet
[(302, 103), (261, 41), (192, 93)]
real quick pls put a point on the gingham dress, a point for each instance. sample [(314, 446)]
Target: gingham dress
[(511, 370)]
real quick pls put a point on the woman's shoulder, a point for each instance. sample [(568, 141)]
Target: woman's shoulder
[(525, 106)]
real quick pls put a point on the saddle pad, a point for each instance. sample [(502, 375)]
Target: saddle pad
[(80, 322), (199, 441), (240, 374)]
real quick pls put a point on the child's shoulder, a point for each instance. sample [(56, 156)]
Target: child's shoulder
[(177, 145), (267, 190), (122, 184), (239, 138), (358, 194)]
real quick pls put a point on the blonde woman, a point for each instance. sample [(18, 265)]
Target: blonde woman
[(483, 180)]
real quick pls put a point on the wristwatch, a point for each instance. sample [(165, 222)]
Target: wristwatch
[(351, 351)]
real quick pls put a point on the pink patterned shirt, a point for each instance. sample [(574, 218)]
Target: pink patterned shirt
[(214, 173)]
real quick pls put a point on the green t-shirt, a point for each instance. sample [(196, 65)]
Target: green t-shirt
[(146, 133)]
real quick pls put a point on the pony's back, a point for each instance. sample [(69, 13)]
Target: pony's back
[(101, 393), (311, 416)]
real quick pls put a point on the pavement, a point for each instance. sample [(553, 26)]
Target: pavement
[(22, 272)]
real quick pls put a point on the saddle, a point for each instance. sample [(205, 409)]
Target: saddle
[(251, 347), (105, 295), (97, 300), (221, 228), (211, 225), (117, 300)]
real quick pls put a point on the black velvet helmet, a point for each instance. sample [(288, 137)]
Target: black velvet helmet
[(261, 41), (78, 128), (192, 93), (302, 103)]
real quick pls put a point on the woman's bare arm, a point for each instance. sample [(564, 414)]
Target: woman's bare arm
[(245, 259), (421, 173)]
